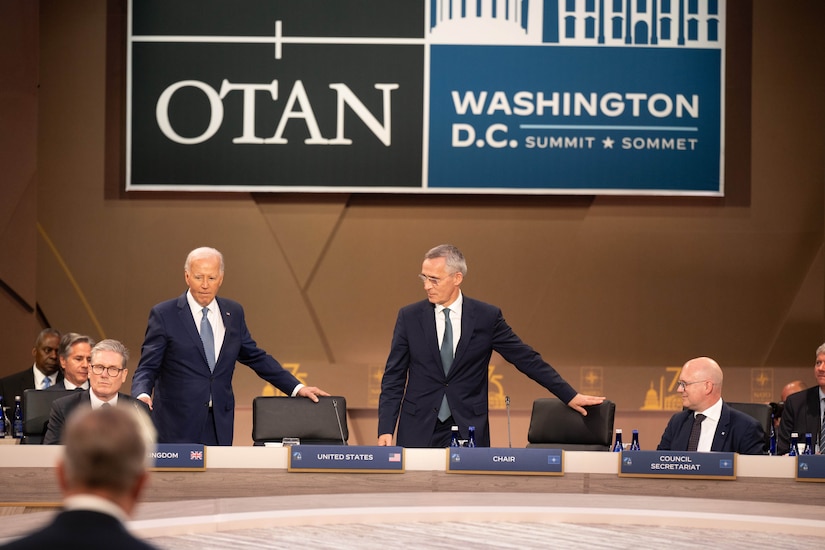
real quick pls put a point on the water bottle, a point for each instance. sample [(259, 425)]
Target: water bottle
[(634, 443), (454, 437), (809, 445), (772, 448), (792, 449), (471, 436), (17, 432), (2, 419), (618, 447)]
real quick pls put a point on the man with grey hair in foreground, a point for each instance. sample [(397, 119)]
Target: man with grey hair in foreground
[(101, 475)]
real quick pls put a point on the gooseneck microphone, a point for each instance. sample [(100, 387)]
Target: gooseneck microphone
[(507, 404), (338, 418)]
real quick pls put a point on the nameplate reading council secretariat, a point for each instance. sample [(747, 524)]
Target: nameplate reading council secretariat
[(810, 468), (670, 464), (339, 458), (179, 457), (484, 460)]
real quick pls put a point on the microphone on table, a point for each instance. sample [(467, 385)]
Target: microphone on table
[(507, 404), (338, 418)]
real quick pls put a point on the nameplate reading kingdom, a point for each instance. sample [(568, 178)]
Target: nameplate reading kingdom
[(353, 459), (678, 464), (810, 468), (488, 460), (179, 457)]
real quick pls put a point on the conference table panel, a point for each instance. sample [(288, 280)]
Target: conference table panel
[(27, 476)]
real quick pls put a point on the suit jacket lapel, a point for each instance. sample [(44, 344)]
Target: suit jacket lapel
[(722, 430), (426, 319), (468, 323)]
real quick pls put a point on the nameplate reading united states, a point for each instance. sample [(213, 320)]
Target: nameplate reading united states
[(810, 468), (483, 460), (336, 458), (179, 456), (678, 464)]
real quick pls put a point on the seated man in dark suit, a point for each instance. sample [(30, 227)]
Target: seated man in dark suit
[(106, 375), (708, 423), (803, 410), (101, 475), (75, 356), (44, 373)]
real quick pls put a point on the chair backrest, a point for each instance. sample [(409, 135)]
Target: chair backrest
[(555, 425), (322, 423), (760, 411), (37, 404)]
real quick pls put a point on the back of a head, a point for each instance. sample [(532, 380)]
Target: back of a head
[(106, 449)]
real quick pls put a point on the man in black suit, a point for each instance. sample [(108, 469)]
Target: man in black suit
[(101, 475), (431, 398), (803, 410), (75, 356), (44, 373), (720, 428), (106, 375)]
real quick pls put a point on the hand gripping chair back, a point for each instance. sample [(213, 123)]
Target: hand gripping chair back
[(554, 425)]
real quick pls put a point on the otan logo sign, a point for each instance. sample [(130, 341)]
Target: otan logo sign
[(435, 96)]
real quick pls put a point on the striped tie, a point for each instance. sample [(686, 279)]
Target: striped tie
[(822, 434)]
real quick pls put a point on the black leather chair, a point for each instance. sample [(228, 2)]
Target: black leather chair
[(761, 412), (322, 423), (37, 404), (554, 425)]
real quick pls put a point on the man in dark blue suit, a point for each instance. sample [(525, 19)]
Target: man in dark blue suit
[(430, 398), (804, 410), (43, 374), (101, 474), (188, 358), (720, 428), (107, 374)]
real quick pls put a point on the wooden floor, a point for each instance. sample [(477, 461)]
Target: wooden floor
[(477, 520)]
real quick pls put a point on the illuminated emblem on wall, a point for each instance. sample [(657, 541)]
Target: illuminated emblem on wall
[(762, 385), (496, 396), (376, 374), (665, 397), (592, 380), (457, 96), (294, 368)]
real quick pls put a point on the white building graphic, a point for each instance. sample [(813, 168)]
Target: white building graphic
[(645, 23)]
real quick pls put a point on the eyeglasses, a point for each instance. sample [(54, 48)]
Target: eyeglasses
[(112, 371), (433, 280), (682, 384)]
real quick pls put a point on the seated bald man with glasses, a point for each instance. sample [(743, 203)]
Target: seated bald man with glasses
[(708, 423), (107, 374)]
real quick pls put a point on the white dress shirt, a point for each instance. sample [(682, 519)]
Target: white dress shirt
[(709, 425)]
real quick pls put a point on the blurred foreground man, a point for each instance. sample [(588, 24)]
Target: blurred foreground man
[(101, 475)]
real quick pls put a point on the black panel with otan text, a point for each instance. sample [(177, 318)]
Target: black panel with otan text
[(246, 95)]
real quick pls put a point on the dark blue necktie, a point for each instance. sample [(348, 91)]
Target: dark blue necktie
[(208, 339), (695, 432), (446, 361)]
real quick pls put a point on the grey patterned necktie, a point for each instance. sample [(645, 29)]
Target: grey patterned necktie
[(446, 361)]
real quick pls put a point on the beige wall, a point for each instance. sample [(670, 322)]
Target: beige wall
[(621, 287)]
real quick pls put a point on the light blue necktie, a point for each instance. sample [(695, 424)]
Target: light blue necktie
[(47, 382), (446, 361), (208, 339)]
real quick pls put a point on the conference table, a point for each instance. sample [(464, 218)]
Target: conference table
[(28, 480)]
